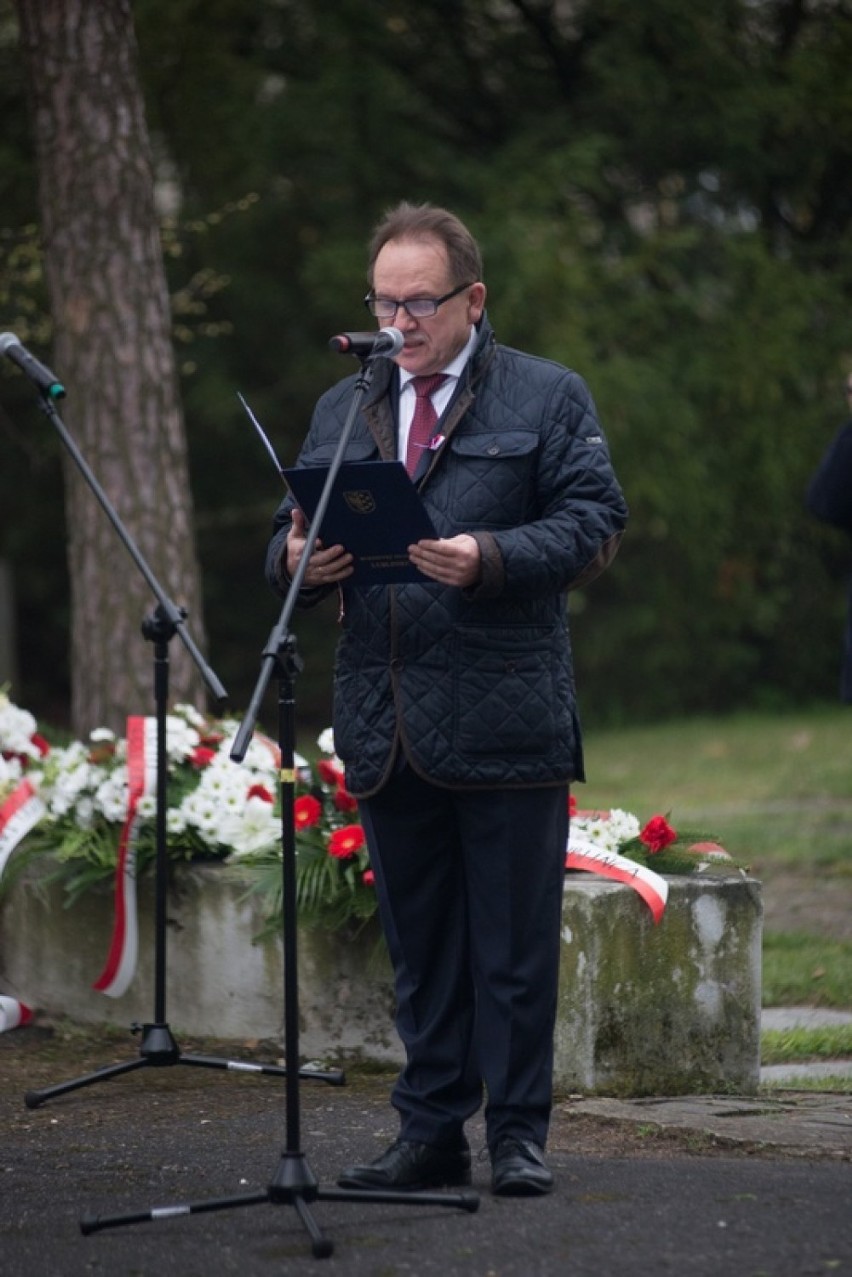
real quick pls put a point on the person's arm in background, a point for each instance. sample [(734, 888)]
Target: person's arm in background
[(829, 493)]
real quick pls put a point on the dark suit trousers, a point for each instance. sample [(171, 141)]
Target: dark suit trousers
[(470, 887)]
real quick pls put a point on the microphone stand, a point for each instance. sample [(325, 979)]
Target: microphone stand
[(158, 1047), (293, 1182)]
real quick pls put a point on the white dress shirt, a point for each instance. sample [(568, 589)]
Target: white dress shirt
[(440, 399)]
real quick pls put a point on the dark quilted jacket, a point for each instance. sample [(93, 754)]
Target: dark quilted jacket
[(476, 686)]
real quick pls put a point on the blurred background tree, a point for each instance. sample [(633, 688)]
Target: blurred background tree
[(109, 303), (663, 196)]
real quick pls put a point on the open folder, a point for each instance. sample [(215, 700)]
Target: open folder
[(374, 511)]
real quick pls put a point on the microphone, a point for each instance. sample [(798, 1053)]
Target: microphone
[(30, 366), (387, 341)]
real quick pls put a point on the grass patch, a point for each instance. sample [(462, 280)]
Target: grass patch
[(801, 969), (828, 1042), (776, 789), (777, 792)]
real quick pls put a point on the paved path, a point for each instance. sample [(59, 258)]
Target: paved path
[(703, 1187), (783, 1018)]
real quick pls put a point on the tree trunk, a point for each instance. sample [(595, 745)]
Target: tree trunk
[(112, 350)]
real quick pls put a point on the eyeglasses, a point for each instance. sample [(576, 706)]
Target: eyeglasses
[(416, 307)]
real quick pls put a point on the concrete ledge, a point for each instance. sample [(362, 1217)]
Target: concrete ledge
[(672, 1009), (644, 1009)]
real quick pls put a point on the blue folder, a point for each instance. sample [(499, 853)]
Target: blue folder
[(374, 510)]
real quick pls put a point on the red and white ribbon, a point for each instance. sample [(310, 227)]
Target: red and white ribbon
[(588, 856), (18, 814), (706, 852), (13, 1013), (120, 966)]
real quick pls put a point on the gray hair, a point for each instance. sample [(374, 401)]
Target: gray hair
[(425, 222)]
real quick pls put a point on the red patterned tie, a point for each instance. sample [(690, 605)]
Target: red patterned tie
[(425, 418)]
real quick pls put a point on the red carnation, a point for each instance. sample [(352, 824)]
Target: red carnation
[(328, 773), (344, 801), (657, 834), (344, 842), (306, 811), (201, 756), (368, 878), (260, 791)]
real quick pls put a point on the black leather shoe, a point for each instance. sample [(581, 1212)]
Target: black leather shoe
[(407, 1165), (518, 1169)]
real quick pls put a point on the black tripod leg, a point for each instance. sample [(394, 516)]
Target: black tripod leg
[(466, 1200), (32, 1099), (94, 1223), (278, 1195), (158, 1050), (321, 1246), (334, 1077)]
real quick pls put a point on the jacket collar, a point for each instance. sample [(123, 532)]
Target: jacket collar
[(381, 403), (386, 381)]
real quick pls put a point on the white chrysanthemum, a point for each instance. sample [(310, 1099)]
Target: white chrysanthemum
[(597, 831), (146, 807), (101, 734), (17, 727), (606, 832), (193, 716), (84, 812), (175, 820), (325, 740), (61, 762), (111, 796), (10, 771), (262, 755), (222, 765), (203, 815), (229, 726), (226, 801), (252, 829), (221, 785), (181, 738), (58, 806), (69, 776), (624, 825)]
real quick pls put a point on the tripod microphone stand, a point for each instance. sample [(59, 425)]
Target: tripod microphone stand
[(293, 1182), (158, 1047)]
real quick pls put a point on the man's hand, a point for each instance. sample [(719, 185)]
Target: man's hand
[(325, 567), (454, 561)]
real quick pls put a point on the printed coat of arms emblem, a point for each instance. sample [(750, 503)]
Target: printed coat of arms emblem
[(359, 500)]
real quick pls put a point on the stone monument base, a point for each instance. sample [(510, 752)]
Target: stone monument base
[(644, 1009)]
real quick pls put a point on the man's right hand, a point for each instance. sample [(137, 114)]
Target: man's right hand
[(326, 567)]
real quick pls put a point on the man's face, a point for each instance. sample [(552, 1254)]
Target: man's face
[(419, 268)]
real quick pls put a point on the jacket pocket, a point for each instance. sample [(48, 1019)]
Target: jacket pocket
[(358, 449), (510, 700), (490, 476)]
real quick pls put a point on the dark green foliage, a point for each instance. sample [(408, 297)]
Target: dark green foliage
[(663, 194)]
